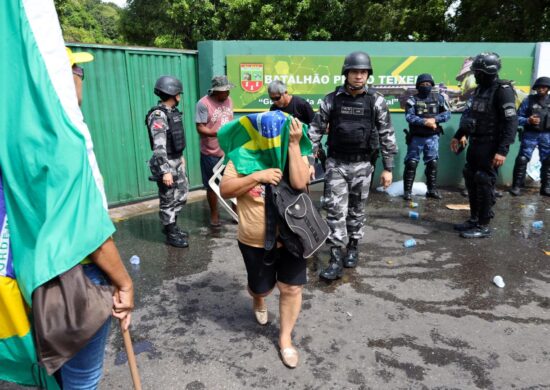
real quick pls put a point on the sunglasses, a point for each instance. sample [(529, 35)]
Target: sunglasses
[(78, 71), (275, 98)]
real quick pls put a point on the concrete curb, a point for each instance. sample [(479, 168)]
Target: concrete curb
[(121, 213)]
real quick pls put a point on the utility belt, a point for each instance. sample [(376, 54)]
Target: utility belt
[(350, 157), (174, 156)]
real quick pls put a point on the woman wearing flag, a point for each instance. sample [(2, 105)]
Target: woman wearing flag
[(249, 170)]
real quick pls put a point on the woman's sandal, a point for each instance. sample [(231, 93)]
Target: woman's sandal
[(289, 356), (261, 315)]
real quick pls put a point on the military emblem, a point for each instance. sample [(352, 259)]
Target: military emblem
[(252, 77)]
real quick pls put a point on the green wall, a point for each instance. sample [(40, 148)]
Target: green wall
[(117, 93), (212, 62)]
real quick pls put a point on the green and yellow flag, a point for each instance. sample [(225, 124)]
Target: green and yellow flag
[(260, 141), (53, 191)]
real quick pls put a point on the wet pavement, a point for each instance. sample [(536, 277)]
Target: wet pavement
[(426, 317)]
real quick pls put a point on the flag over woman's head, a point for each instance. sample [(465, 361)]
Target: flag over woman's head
[(260, 141)]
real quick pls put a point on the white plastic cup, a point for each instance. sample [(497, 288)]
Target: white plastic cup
[(409, 243), (498, 281), (134, 260)]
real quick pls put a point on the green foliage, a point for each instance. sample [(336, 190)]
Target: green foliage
[(502, 21), (89, 21)]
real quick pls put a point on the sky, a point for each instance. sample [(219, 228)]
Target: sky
[(120, 3)]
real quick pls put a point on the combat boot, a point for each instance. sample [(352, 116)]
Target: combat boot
[(173, 237), (545, 178), (431, 180), (520, 168), (480, 231), (179, 230), (408, 178), (334, 270), (352, 255), (467, 225)]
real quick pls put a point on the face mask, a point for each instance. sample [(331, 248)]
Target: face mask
[(483, 78), (424, 90)]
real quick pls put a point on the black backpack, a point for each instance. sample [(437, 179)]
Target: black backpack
[(301, 228)]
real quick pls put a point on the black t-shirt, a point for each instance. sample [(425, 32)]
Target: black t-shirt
[(298, 108)]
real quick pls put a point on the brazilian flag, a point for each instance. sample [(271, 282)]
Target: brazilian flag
[(260, 141)]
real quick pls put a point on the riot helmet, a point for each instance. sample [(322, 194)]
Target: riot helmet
[(488, 63), (542, 82), (168, 85), (423, 78), (357, 60)]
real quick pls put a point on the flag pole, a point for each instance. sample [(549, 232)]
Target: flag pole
[(131, 357)]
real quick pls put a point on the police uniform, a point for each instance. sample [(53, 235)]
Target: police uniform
[(357, 126), (167, 140), (490, 121), (424, 140), (533, 136)]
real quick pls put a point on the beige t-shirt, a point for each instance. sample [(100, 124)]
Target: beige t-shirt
[(251, 211)]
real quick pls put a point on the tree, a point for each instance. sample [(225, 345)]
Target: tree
[(499, 21), (89, 21)]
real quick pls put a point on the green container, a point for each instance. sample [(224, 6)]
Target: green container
[(117, 93)]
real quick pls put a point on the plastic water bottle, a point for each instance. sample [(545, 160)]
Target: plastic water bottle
[(538, 224), (134, 260), (413, 215), (409, 243), (498, 281)]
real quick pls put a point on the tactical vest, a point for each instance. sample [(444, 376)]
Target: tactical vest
[(542, 109), (352, 132), (484, 112), (425, 108), (175, 135)]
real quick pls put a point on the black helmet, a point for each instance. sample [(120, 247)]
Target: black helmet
[(488, 63), (542, 82), (168, 85), (424, 77), (357, 60)]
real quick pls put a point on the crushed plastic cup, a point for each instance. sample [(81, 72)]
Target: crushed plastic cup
[(134, 260), (498, 281), (413, 215), (409, 243), (538, 224)]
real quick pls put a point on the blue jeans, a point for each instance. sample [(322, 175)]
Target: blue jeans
[(84, 370), (532, 139), (428, 146)]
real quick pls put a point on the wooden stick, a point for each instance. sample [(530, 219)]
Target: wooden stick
[(131, 357)]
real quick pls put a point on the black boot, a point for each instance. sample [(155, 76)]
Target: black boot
[(408, 178), (352, 255), (520, 168), (480, 231), (545, 178), (173, 237), (467, 225), (179, 230), (334, 270), (431, 180)]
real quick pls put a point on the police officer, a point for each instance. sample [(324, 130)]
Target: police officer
[(534, 116), (490, 121), (424, 113), (358, 122), (167, 139)]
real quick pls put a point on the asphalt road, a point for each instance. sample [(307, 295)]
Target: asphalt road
[(427, 317)]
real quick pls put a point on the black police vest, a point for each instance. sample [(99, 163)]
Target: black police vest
[(542, 109), (425, 108), (484, 112), (175, 135), (352, 132)]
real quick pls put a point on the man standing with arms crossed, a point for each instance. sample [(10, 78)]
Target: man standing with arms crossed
[(358, 122), (212, 112)]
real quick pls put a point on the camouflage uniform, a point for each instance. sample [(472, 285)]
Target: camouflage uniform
[(171, 198), (347, 183)]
